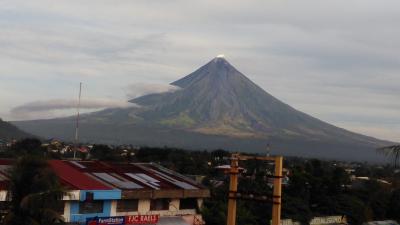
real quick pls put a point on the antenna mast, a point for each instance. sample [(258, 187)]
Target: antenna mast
[(77, 120)]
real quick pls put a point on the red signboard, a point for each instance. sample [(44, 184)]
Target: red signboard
[(142, 219)]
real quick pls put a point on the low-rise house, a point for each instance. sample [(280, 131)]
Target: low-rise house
[(322, 220), (124, 192), (350, 171), (329, 220), (382, 222), (3, 145), (359, 182)]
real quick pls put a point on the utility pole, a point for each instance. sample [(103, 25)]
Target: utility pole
[(233, 185), (277, 198), (234, 171), (77, 120)]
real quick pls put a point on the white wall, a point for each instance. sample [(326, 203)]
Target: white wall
[(144, 208), (71, 195), (3, 196), (67, 211)]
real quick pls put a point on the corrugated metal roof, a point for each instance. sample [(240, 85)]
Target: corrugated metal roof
[(75, 178), (119, 183), (146, 176), (96, 175)]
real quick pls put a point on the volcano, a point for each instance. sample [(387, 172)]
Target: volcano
[(216, 106)]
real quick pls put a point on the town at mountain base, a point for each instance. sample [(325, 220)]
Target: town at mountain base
[(216, 106)]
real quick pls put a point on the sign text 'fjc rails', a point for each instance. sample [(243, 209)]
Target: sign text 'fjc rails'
[(142, 219)]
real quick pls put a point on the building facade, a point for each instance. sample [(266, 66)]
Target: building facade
[(113, 190)]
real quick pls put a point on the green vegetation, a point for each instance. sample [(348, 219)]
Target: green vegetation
[(35, 194), (28, 147), (182, 120), (103, 152), (315, 187), (34, 191)]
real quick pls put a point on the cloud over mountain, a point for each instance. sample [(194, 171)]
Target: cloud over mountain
[(30, 109), (140, 89)]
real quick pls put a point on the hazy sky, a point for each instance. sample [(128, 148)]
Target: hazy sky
[(336, 60)]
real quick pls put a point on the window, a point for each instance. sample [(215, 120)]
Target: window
[(90, 207), (188, 203), (128, 205), (159, 204)]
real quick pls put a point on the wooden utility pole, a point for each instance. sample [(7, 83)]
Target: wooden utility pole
[(277, 190), (234, 171), (277, 198)]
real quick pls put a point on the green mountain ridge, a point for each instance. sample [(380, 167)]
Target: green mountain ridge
[(8, 131)]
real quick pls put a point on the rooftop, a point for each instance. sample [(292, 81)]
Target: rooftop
[(135, 180)]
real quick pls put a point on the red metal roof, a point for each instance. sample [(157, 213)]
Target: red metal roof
[(97, 175), (75, 178), (165, 179)]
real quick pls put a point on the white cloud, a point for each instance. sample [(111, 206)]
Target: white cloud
[(59, 107), (140, 89)]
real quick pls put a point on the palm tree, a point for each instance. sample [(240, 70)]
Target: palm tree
[(392, 152), (35, 194)]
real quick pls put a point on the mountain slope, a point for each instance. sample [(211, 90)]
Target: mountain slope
[(218, 99), (215, 107), (9, 131)]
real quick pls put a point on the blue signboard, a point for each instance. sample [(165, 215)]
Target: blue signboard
[(115, 220)]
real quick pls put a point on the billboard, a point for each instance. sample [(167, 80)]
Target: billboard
[(123, 220)]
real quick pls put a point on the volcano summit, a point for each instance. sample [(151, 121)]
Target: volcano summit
[(216, 106)]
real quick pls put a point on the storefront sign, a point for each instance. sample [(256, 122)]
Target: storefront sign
[(123, 220), (118, 220), (142, 219)]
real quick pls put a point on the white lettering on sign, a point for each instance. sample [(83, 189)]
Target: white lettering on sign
[(142, 219)]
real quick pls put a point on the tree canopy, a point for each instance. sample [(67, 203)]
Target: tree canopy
[(35, 194)]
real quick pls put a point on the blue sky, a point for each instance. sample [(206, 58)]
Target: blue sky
[(335, 60)]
